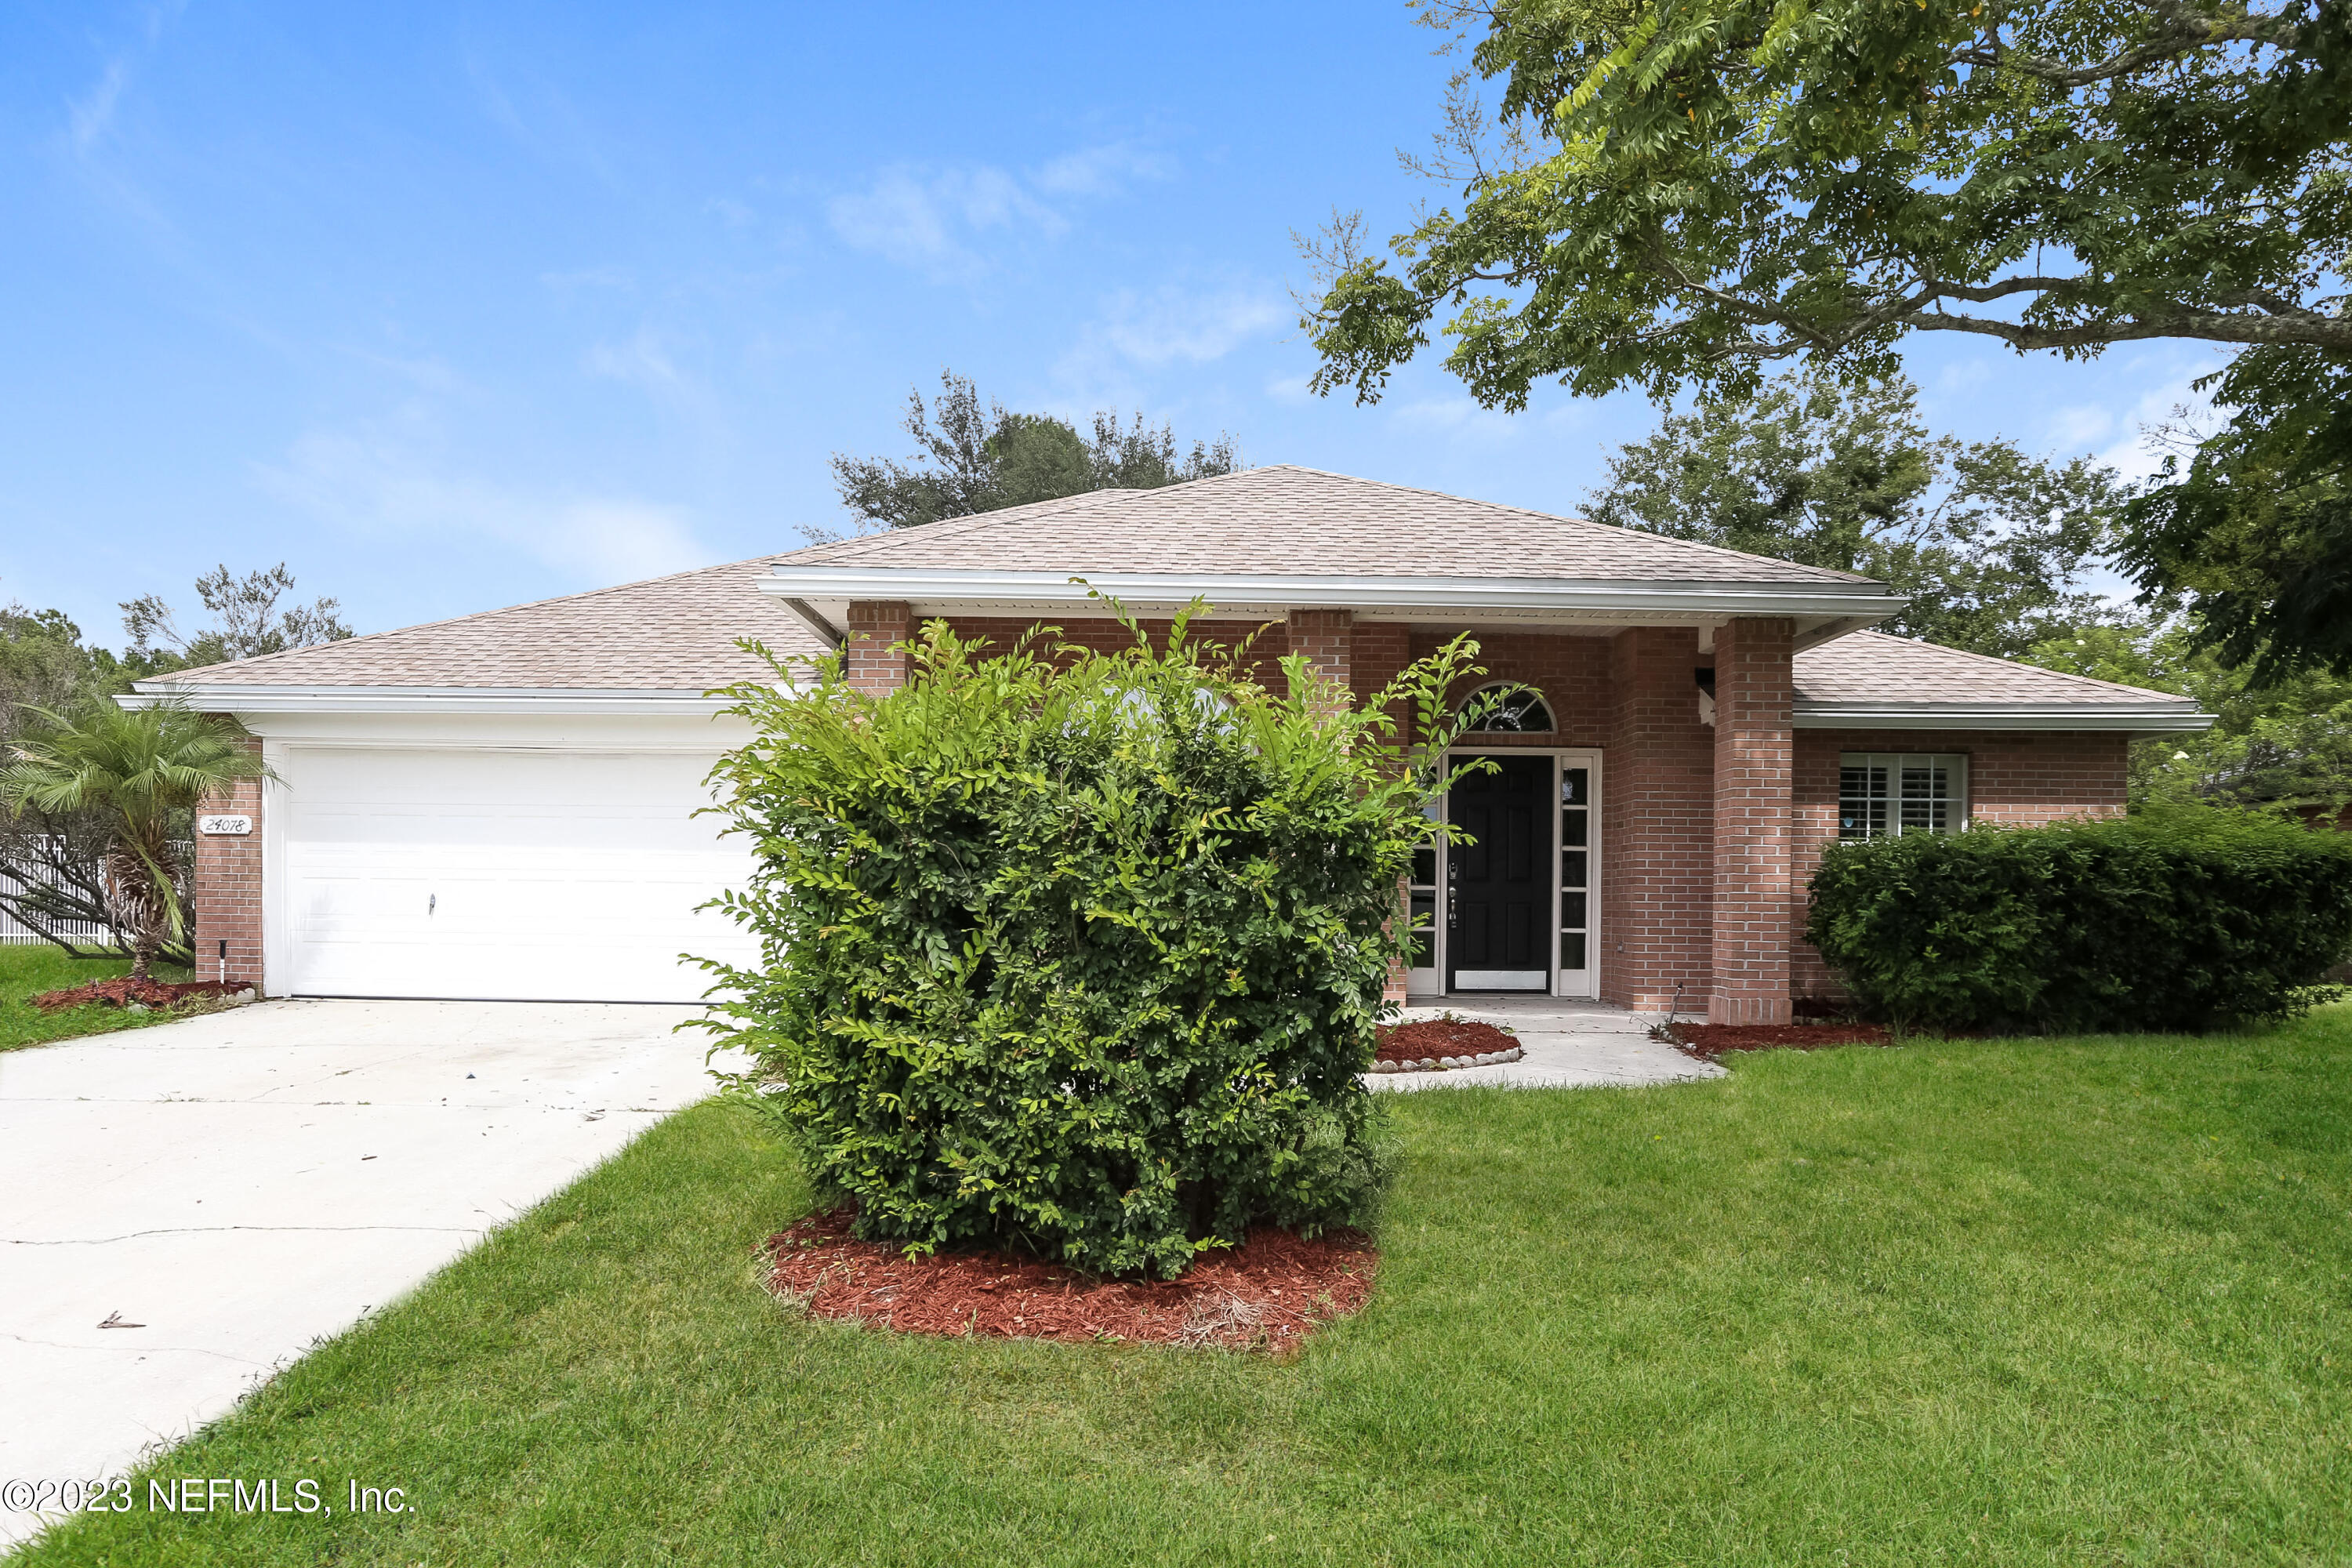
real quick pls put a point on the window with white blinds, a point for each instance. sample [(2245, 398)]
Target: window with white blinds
[(1881, 794)]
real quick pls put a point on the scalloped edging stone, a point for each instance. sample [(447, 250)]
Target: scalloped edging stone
[(1451, 1063)]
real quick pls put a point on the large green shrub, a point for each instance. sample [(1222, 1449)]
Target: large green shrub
[(1074, 951), (2175, 920)]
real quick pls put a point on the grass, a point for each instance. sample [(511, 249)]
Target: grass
[(29, 969), (2061, 1301)]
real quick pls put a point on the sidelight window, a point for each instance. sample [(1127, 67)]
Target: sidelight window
[(1575, 866), (1421, 902)]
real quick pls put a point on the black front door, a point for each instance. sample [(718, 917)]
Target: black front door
[(1498, 911)]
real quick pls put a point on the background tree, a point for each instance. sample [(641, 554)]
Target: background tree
[(1699, 187), (2253, 527), (2286, 746), (43, 664), (1994, 546), (140, 772), (975, 458), (52, 865), (55, 863), (248, 621)]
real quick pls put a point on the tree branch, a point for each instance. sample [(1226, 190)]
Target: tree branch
[(2213, 326), (2181, 31)]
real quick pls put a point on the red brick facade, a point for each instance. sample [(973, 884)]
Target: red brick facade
[(872, 662), (1326, 639), (1690, 914), (226, 901), (2022, 780), (1708, 834), (1754, 754), (1657, 825), (1268, 642)]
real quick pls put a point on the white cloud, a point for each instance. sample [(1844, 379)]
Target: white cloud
[(384, 480), (1172, 325), (2167, 394), (1104, 171), (925, 219), (1966, 376), (643, 360), (589, 277), (89, 116), (2083, 424), (1176, 323), (932, 217), (1458, 415)]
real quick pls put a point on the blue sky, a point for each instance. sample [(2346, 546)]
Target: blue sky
[(453, 306)]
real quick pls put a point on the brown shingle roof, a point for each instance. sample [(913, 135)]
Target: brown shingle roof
[(678, 633), (1284, 519), (667, 633), (1871, 666)]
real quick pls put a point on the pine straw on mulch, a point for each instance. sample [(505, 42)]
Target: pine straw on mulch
[(1710, 1040), (146, 992), (1439, 1037), (1267, 1294)]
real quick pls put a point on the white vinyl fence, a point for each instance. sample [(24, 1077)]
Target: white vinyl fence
[(13, 933)]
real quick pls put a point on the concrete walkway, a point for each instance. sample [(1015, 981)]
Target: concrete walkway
[(231, 1188), (1565, 1045)]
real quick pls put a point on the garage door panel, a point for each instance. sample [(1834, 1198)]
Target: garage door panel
[(539, 876)]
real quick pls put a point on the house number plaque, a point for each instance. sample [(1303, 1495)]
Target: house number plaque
[(223, 827)]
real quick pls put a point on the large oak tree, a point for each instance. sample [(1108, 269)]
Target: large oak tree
[(1689, 189)]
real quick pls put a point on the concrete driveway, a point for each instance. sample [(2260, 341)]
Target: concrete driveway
[(230, 1188)]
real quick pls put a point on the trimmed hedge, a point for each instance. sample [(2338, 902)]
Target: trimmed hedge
[(2177, 919), (1073, 952)]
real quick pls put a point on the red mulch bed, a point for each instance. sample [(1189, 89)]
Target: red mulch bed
[(1714, 1040), (148, 992), (1267, 1294), (1437, 1038)]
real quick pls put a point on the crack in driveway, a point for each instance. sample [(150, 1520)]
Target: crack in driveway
[(199, 1229)]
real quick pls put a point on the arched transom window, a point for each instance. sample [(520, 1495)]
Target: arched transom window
[(1520, 713)]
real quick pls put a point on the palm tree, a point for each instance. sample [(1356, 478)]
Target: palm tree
[(136, 770)]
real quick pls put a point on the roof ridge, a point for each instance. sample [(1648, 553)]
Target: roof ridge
[(266, 658), (862, 543), (2020, 664), (887, 540), (1577, 522)]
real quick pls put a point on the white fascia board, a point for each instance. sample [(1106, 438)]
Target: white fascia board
[(241, 698), (1386, 597), (2133, 718)]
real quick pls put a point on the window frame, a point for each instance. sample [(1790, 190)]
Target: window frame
[(1957, 796), (1534, 696)]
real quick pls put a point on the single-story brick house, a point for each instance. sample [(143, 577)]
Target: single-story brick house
[(502, 805)]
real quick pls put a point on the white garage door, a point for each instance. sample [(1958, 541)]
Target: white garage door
[(540, 876)]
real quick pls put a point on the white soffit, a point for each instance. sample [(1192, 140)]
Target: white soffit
[(830, 590), (2131, 718), (239, 696)]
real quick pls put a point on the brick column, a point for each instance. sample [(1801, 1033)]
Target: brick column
[(1326, 638), (1657, 809), (874, 665), (225, 901), (1754, 759)]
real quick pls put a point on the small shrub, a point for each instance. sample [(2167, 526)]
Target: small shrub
[(1072, 952), (2175, 920)]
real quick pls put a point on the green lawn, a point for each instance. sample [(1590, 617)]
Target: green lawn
[(2075, 1301), (30, 971)]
